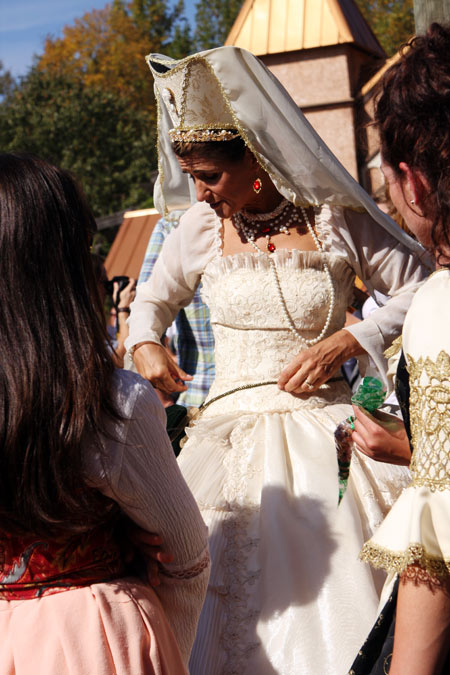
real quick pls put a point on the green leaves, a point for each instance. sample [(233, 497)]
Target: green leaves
[(101, 138), (392, 21), (214, 19)]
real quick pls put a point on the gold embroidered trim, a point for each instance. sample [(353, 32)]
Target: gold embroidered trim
[(395, 347), (429, 406), (202, 135), (158, 150), (398, 561)]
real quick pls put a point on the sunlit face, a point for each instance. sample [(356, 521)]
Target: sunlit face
[(227, 186)]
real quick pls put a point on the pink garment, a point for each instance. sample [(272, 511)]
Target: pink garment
[(114, 628)]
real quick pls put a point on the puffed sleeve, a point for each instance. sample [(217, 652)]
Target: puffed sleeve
[(383, 264), (417, 529), (176, 274), (139, 471)]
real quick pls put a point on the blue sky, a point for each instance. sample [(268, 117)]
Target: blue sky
[(24, 25)]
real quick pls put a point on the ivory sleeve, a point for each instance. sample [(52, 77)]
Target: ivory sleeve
[(383, 264), (176, 275)]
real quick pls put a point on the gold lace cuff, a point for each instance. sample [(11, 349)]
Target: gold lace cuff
[(398, 561), (394, 349)]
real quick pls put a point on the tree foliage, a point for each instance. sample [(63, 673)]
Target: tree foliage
[(214, 19), (106, 48), (87, 104), (7, 82), (100, 137), (392, 21)]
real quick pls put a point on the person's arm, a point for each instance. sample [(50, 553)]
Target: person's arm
[(384, 265), (140, 472), (422, 628), (171, 286), (123, 310)]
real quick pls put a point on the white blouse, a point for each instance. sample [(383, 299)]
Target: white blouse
[(138, 469), (417, 529), (369, 250)]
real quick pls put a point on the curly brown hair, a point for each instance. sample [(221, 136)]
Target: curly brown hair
[(412, 113)]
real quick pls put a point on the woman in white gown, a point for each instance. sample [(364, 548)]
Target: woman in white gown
[(276, 238)]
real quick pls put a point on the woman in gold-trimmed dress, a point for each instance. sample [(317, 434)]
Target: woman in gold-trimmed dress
[(412, 634)]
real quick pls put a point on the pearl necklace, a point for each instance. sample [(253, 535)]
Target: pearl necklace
[(251, 240), (280, 221)]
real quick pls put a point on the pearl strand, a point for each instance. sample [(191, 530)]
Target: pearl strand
[(326, 269)]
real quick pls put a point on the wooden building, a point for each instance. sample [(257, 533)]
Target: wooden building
[(323, 52)]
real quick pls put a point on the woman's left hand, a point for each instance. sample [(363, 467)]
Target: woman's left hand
[(314, 366), (150, 546), (147, 546)]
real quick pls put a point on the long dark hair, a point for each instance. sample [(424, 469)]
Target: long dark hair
[(413, 117), (55, 365)]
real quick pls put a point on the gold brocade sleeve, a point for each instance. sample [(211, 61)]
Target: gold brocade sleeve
[(430, 421)]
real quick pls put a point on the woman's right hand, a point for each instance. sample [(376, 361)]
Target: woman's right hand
[(154, 364)]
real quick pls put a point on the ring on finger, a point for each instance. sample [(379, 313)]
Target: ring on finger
[(309, 384)]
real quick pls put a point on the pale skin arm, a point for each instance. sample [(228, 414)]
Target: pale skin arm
[(379, 443), (156, 365), (126, 298), (422, 630), (319, 362)]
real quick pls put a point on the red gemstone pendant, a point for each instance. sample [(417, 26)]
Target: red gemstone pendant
[(271, 247)]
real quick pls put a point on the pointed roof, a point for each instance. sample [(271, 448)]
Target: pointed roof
[(274, 26)]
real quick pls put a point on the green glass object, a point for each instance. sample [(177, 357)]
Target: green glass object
[(370, 394)]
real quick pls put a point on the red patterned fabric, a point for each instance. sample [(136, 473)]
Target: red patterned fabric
[(31, 567)]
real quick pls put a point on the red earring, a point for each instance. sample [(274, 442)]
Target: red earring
[(257, 185)]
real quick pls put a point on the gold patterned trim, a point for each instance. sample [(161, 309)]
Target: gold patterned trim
[(398, 561), (429, 405), (395, 347), (160, 162), (202, 135)]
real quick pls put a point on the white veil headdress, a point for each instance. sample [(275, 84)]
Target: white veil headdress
[(229, 88)]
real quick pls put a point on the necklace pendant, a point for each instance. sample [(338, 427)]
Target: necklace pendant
[(271, 247)]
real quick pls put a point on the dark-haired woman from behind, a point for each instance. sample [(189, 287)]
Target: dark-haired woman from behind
[(83, 454), (412, 633)]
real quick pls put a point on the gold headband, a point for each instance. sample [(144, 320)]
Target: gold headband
[(201, 135)]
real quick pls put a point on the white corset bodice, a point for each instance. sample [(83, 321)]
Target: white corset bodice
[(253, 340)]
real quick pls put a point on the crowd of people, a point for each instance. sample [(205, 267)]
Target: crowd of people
[(239, 556)]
